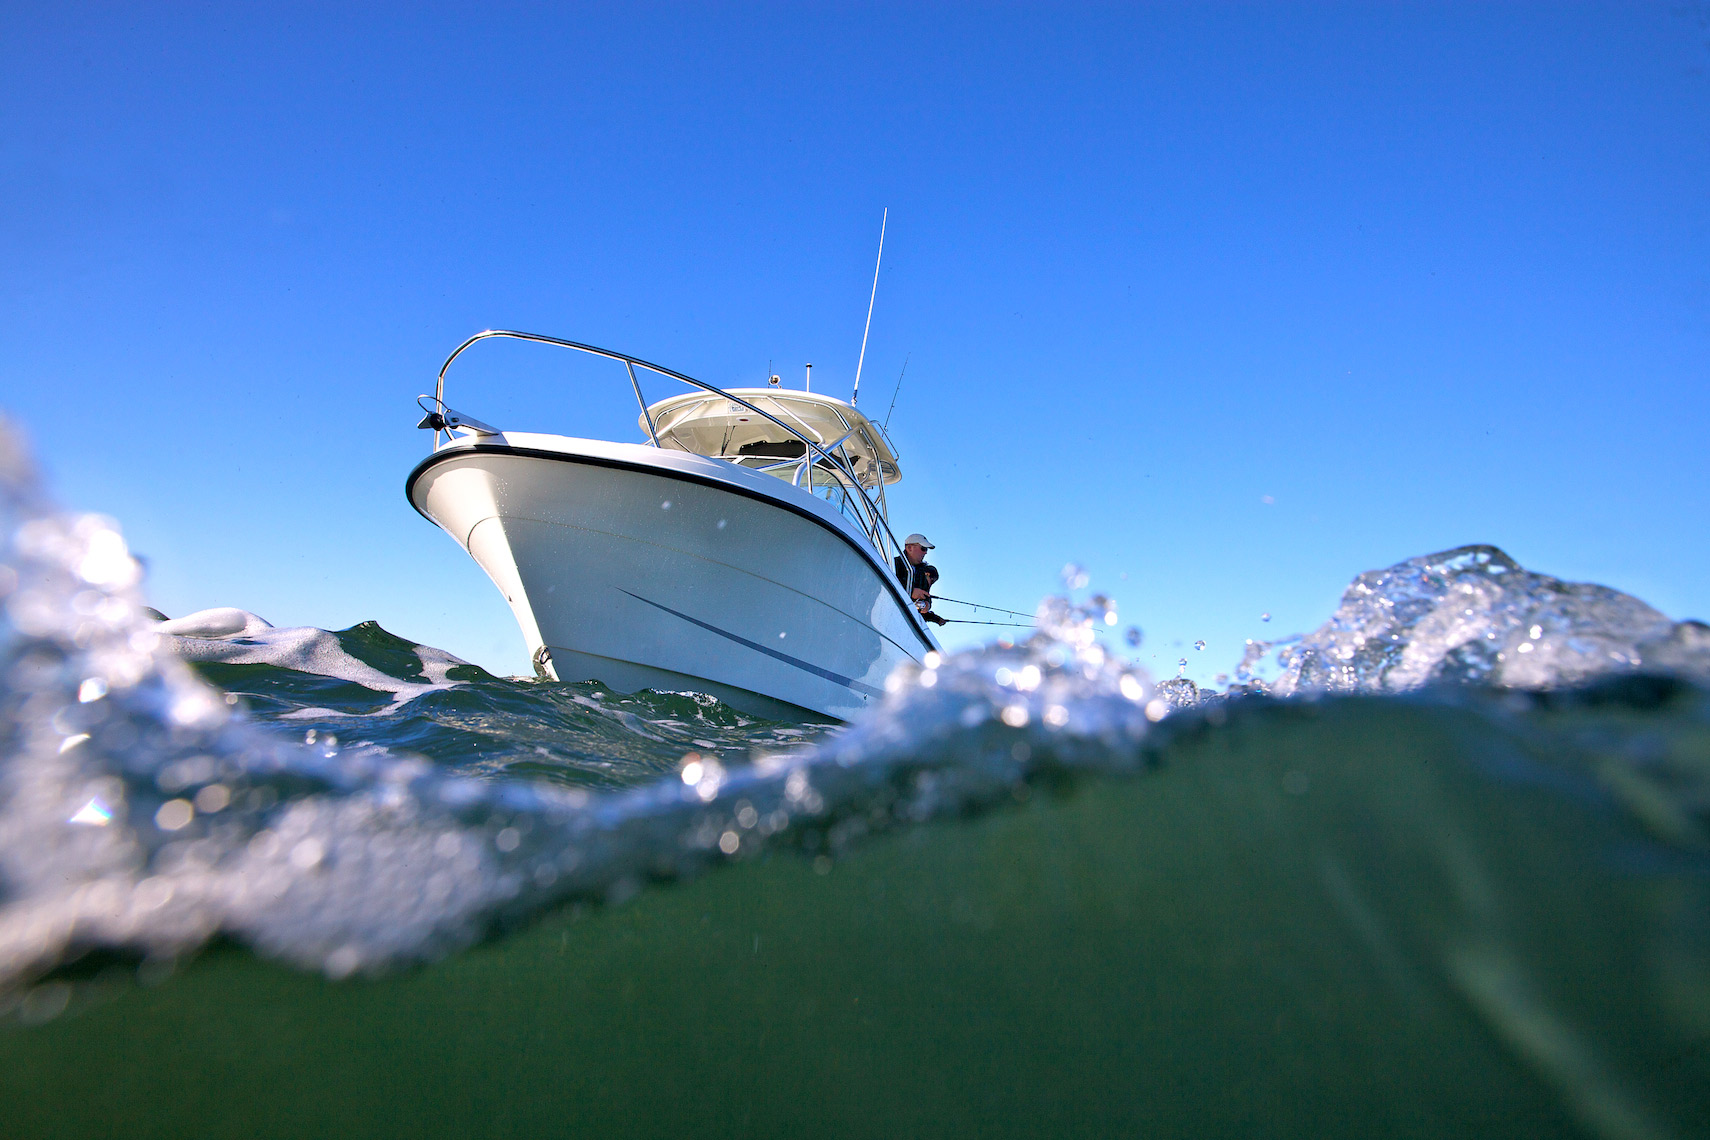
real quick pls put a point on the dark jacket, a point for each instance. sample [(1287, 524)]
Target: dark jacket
[(921, 577)]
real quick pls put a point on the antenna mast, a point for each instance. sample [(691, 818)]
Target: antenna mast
[(856, 394)]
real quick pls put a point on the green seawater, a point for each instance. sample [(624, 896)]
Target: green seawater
[(575, 735), (1478, 916)]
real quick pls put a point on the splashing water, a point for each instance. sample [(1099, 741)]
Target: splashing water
[(1526, 872), (143, 812), (1473, 615)]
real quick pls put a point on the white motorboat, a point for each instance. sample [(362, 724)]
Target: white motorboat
[(741, 548)]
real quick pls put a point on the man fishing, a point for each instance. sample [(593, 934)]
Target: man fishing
[(918, 576)]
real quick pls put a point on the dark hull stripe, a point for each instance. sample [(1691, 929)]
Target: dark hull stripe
[(838, 678)]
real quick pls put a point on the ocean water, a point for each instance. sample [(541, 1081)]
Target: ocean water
[(1440, 867)]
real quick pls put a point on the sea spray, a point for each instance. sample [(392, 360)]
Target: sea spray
[(1473, 615)]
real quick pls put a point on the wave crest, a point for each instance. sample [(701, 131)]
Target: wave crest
[(1473, 615)]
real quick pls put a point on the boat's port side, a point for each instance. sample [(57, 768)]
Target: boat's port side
[(631, 570)]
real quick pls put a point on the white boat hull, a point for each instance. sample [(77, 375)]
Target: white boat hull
[(646, 568)]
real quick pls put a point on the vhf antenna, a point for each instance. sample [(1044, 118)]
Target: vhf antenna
[(856, 394)]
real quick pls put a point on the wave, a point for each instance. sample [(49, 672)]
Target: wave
[(366, 686), (146, 811), (1474, 616), (1467, 769)]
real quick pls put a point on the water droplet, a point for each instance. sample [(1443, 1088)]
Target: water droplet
[(1264, 617), (213, 798), (1199, 645), (1075, 576), (1133, 636), (1181, 667), (174, 814)]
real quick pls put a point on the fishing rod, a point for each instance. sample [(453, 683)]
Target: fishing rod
[(978, 606), (895, 390), (968, 621)]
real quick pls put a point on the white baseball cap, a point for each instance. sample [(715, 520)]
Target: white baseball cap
[(919, 539)]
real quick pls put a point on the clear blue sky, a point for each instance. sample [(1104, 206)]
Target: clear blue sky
[(1422, 274)]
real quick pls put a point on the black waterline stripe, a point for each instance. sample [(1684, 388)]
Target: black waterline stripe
[(846, 682)]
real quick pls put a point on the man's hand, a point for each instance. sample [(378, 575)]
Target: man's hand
[(919, 594)]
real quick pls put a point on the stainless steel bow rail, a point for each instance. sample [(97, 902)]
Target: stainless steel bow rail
[(870, 517)]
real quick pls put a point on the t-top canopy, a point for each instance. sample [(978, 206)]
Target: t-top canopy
[(714, 425)]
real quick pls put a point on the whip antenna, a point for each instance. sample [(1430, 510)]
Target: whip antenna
[(856, 394)]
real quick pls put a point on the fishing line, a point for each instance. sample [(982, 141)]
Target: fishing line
[(978, 606), (967, 621)]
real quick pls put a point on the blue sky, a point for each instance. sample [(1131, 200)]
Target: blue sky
[(1419, 275)]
